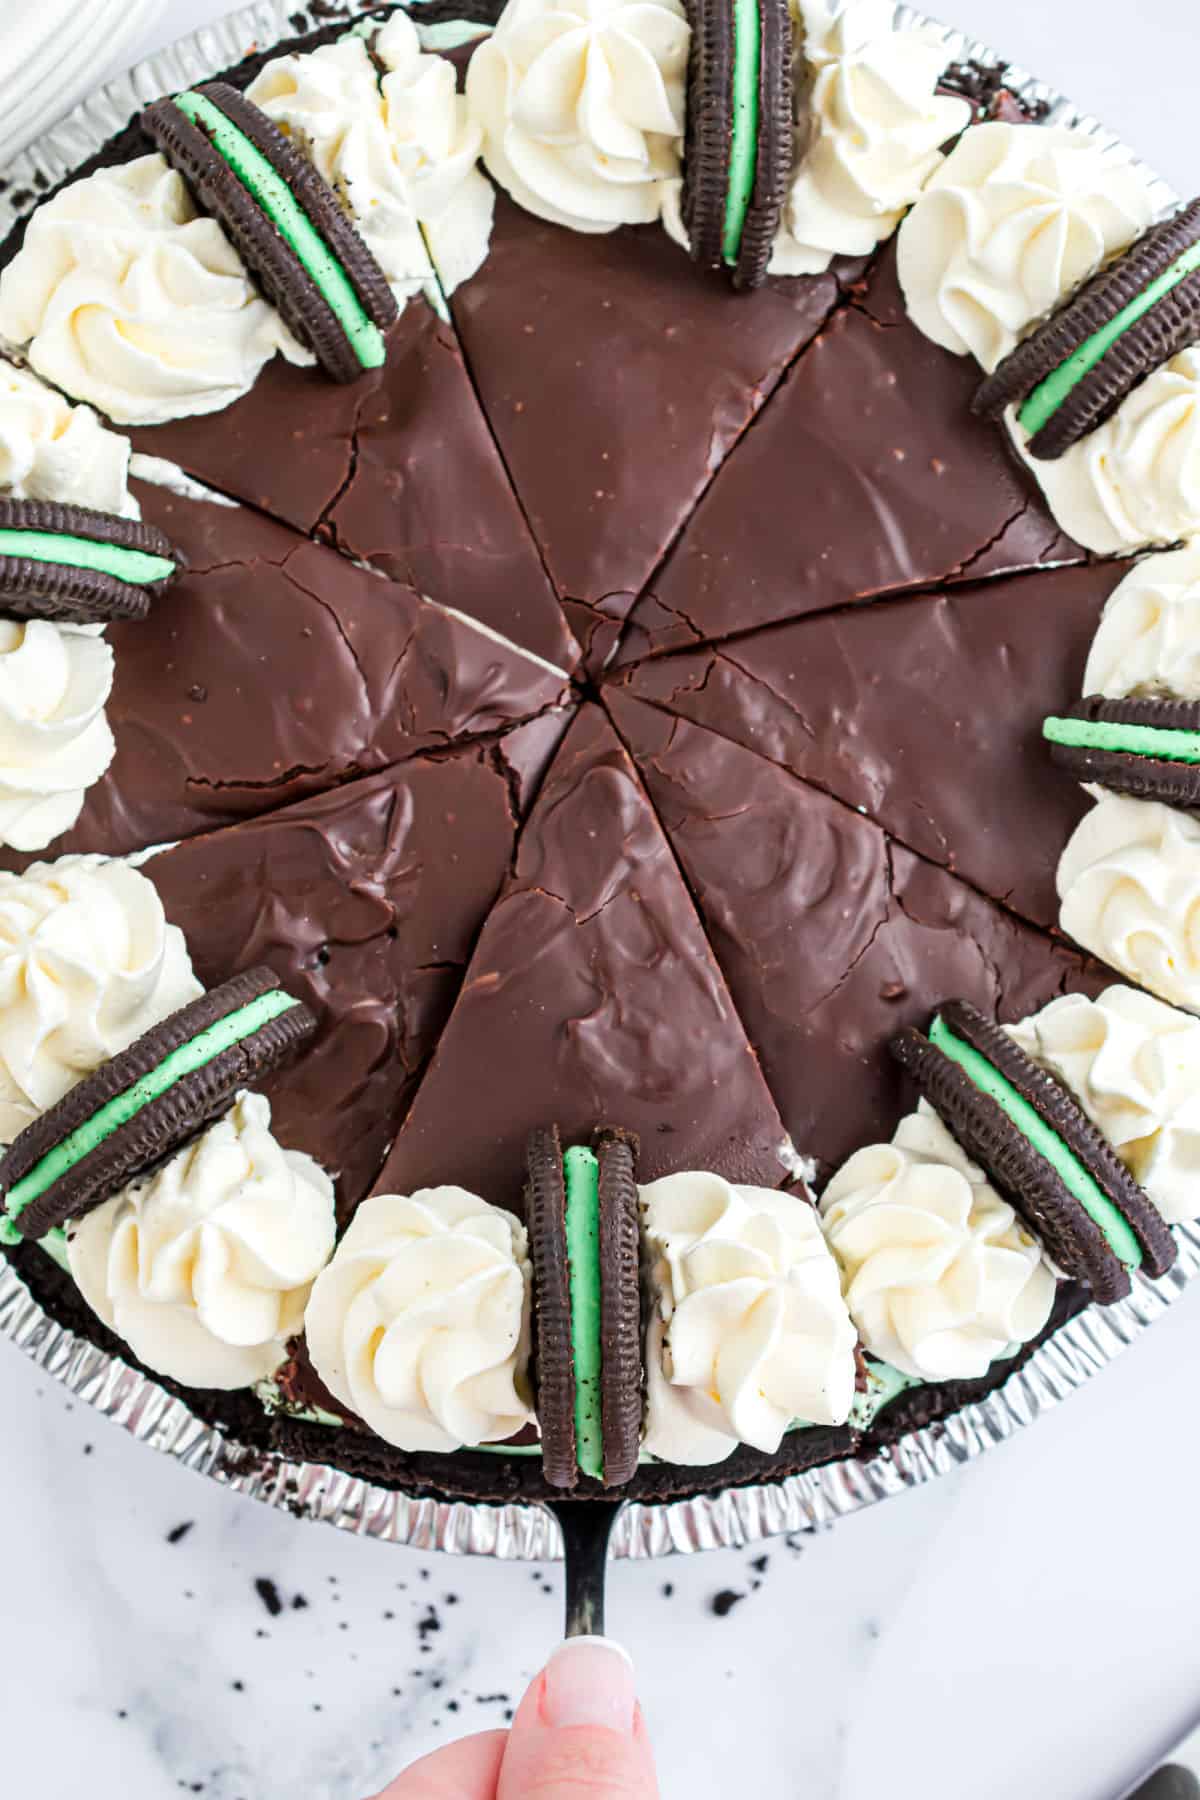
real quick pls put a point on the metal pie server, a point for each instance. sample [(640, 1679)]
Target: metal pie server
[(587, 1527)]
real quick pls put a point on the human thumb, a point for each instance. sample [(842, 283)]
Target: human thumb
[(579, 1732)]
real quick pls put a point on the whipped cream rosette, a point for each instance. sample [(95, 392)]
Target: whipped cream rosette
[(88, 963), (125, 298), (941, 1276), (1137, 729), (1129, 885), (1133, 1063), (63, 476), (51, 450), (1014, 220), (581, 105), (838, 146), (871, 133), (205, 1267), (421, 1323), (55, 739), (1148, 641), (748, 1332), (1035, 250), (1135, 480), (384, 125)]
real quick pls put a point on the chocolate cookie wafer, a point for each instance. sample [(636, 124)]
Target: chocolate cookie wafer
[(582, 1216), (740, 133), (284, 220), (545, 1218), (621, 1336), (1072, 373), (1147, 748), (76, 566), (146, 1103), (1040, 1149)]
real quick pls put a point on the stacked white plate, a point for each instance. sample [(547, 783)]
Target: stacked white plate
[(53, 52)]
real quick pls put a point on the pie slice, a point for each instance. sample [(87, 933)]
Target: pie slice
[(926, 714), (272, 669), (591, 999), (831, 935), (369, 465), (616, 381), (346, 897), (867, 475)]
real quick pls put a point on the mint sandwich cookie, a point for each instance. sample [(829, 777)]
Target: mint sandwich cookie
[(1040, 1149), (582, 1216), (75, 566), (146, 1103), (284, 220), (1147, 748), (740, 134), (1072, 373)]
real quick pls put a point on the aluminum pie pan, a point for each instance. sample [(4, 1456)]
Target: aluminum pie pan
[(730, 1519)]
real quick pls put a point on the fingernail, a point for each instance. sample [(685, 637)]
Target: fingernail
[(590, 1682)]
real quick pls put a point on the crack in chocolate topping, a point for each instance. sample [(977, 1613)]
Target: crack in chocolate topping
[(903, 490), (831, 936)]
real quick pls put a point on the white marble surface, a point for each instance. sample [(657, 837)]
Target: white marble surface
[(1027, 1627)]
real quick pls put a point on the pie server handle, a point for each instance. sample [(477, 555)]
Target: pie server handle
[(587, 1527)]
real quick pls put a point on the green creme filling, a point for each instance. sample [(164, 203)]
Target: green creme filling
[(743, 147), (1124, 740), (138, 567), (271, 192), (581, 1178), (1050, 394), (1078, 1180), (196, 1054)]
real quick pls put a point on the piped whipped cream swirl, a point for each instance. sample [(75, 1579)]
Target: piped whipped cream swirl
[(204, 1268), (581, 104), (749, 1332), (872, 133), (1129, 884), (55, 739), (940, 1275), (51, 450), (1133, 1063), (421, 1323), (399, 147), (1014, 220), (87, 963), (123, 297), (1148, 643), (1134, 481)]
